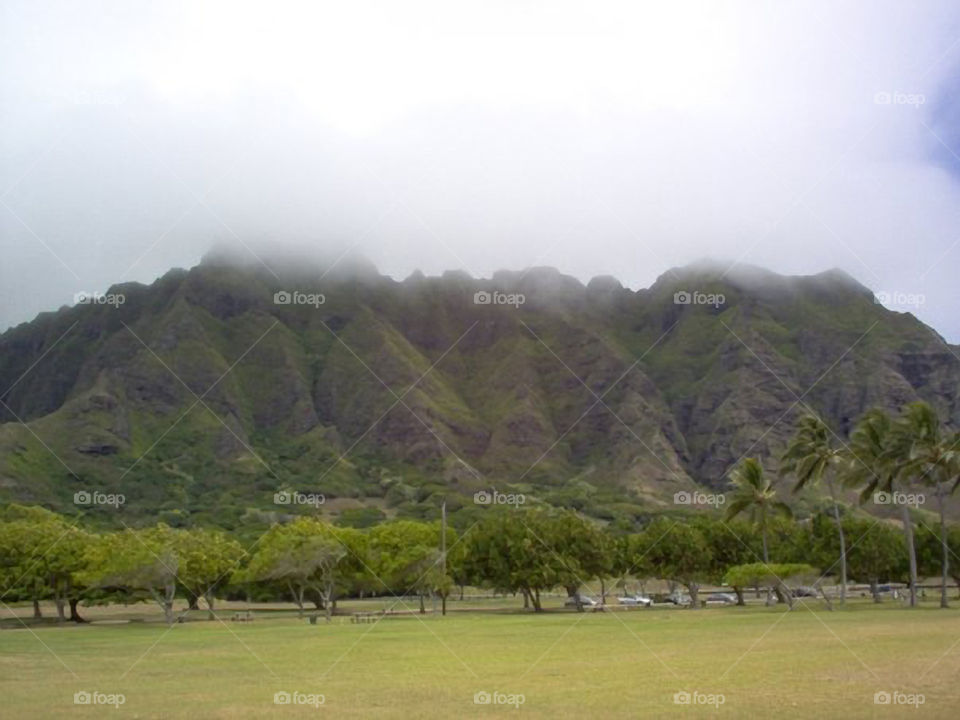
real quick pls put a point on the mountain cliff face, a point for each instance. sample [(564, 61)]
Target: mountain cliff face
[(206, 392)]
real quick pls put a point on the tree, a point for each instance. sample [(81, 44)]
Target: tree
[(504, 553), (406, 557), (771, 576), (681, 553), (138, 560), (933, 458), (954, 539), (731, 543), (207, 558), (580, 550), (755, 495), (42, 555), (457, 564), (877, 553), (65, 563), (876, 454), (353, 575), (813, 458), (304, 555), (23, 575)]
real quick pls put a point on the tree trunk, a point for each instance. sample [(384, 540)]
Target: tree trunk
[(739, 592), (694, 589), (59, 600), (327, 606), (537, 607), (603, 592), (171, 591), (193, 602), (784, 595), (526, 599), (778, 591), (763, 535), (297, 593), (74, 615), (461, 593), (911, 552), (573, 592), (843, 543), (945, 561), (875, 590), (36, 609), (766, 554), (165, 601), (826, 598), (208, 596), (423, 610)]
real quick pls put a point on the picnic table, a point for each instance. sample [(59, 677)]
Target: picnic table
[(367, 617)]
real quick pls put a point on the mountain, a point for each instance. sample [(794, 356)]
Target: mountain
[(205, 393)]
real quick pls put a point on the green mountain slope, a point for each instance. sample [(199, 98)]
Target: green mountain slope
[(201, 396)]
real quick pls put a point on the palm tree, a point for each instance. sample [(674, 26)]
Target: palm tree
[(876, 453), (755, 495), (931, 457), (812, 457)]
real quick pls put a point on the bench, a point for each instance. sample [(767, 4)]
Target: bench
[(242, 616)]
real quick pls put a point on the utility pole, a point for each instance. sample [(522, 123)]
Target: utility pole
[(443, 552)]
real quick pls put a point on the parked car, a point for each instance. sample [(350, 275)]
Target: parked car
[(635, 600), (584, 601), (722, 598), (805, 592), (678, 598)]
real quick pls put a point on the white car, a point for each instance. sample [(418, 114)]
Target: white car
[(635, 600)]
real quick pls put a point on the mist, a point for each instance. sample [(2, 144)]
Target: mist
[(602, 139)]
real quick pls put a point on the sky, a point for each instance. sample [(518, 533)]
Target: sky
[(599, 138)]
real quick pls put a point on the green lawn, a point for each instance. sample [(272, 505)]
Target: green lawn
[(766, 662)]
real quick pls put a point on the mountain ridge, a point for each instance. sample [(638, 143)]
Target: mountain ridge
[(395, 393)]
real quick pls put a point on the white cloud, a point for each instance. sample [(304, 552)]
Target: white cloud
[(615, 138)]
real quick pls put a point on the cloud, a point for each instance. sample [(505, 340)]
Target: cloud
[(618, 139)]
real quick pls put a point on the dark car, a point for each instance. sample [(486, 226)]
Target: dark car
[(805, 592)]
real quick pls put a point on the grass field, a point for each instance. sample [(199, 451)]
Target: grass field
[(763, 661)]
